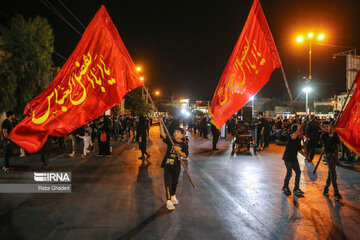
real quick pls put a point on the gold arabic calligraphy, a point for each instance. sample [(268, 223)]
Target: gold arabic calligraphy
[(96, 72), (237, 78)]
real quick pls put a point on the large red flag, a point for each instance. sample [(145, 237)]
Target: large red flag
[(95, 78), (251, 63), (348, 125)]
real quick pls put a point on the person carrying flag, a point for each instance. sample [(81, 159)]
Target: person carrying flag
[(171, 164), (293, 146)]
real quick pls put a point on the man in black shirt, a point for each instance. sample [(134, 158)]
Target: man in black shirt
[(6, 127), (171, 164), (291, 162), (330, 142)]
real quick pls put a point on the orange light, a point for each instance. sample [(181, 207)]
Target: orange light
[(138, 69), (157, 93), (300, 39), (141, 78), (310, 35), (321, 37)]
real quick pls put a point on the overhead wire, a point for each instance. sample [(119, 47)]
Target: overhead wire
[(58, 14), (73, 15)]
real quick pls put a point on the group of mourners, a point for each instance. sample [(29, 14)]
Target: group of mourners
[(101, 130), (301, 135)]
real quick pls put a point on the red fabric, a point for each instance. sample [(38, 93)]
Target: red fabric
[(251, 63), (348, 125), (95, 78)]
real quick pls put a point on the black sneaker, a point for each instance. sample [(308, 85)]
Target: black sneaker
[(298, 192), (286, 191), (337, 197)]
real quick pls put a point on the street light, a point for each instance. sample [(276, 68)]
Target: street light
[(138, 69), (142, 79), (310, 37), (157, 93), (307, 90)]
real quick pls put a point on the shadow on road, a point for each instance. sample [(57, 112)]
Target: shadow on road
[(133, 232)]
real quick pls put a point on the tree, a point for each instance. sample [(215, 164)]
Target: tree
[(26, 63), (136, 104), (324, 109)]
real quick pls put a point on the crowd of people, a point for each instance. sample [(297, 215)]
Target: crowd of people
[(300, 134)]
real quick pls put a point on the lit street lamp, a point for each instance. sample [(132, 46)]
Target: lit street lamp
[(310, 38), (307, 90)]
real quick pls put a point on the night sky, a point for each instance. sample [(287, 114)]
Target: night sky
[(183, 46)]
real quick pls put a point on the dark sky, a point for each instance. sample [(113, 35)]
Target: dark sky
[(183, 46)]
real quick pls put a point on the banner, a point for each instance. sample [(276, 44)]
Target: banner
[(251, 63), (95, 78), (348, 125)]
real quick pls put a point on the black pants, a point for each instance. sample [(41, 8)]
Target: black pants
[(142, 147), (292, 165), (259, 139), (171, 178), (215, 140), (7, 144), (331, 179), (266, 137), (104, 147), (311, 145), (345, 151)]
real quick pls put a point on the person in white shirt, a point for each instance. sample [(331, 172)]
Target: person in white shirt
[(87, 142)]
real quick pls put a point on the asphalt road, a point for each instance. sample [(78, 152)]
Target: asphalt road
[(237, 197)]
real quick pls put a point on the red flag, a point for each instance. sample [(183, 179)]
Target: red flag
[(348, 125), (251, 63), (95, 78)]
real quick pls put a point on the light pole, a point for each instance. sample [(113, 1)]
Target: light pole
[(307, 90), (310, 39)]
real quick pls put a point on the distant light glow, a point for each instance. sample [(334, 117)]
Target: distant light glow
[(157, 93), (310, 35), (300, 39), (138, 69), (141, 78), (307, 89), (321, 37)]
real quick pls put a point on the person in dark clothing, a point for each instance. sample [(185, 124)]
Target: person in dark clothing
[(312, 137), (6, 127), (203, 126), (330, 142), (141, 137), (260, 131), (266, 132), (104, 137), (171, 164), (293, 146), (216, 133)]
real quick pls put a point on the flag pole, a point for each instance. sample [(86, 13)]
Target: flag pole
[(168, 134)]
